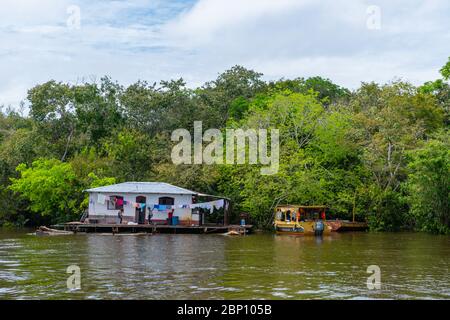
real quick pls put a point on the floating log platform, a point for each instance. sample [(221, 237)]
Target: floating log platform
[(153, 228)]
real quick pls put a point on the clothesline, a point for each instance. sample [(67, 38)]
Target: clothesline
[(101, 199)]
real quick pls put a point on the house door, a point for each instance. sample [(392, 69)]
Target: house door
[(168, 201), (140, 210)]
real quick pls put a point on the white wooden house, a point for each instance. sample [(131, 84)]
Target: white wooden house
[(162, 199)]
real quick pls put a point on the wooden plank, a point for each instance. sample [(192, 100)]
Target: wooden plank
[(117, 228)]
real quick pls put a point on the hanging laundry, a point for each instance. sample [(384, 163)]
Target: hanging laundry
[(142, 205), (220, 203), (217, 204), (162, 207), (119, 202)]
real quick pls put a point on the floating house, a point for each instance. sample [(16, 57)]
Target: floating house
[(159, 201)]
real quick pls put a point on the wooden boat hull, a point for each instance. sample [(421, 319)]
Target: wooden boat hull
[(300, 228), (342, 225), (44, 231), (290, 230)]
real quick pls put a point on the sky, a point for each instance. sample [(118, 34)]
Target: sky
[(348, 42)]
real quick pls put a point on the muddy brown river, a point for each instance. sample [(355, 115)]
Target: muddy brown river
[(258, 266)]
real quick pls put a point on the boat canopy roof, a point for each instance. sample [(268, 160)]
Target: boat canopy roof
[(300, 206)]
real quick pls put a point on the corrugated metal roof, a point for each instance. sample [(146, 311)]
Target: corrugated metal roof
[(143, 187)]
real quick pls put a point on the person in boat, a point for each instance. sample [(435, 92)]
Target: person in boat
[(301, 214), (120, 215), (279, 215), (288, 216)]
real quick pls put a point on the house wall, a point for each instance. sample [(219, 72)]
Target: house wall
[(101, 211)]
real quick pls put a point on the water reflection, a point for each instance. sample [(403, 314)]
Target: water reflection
[(260, 266)]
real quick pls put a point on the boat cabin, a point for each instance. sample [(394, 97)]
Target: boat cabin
[(298, 219), (300, 213)]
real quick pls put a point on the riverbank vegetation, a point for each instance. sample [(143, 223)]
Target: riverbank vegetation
[(381, 151)]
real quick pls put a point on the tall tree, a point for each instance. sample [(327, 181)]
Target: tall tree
[(428, 184)]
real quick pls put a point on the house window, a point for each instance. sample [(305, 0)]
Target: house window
[(166, 201), (115, 203)]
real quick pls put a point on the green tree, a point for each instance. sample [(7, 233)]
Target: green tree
[(429, 184), (445, 70), (53, 110), (440, 88), (98, 110), (327, 91), (131, 152), (391, 120), (50, 186), (219, 95)]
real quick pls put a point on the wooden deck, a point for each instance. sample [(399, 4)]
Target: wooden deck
[(150, 228)]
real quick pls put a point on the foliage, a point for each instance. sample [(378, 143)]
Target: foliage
[(52, 188), (428, 184), (49, 186), (380, 151)]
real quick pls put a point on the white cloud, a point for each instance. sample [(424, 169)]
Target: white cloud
[(209, 17), (156, 39), (28, 12)]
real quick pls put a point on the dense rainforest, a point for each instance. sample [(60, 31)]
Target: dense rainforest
[(380, 151)]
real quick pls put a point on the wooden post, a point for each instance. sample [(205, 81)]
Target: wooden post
[(225, 211)]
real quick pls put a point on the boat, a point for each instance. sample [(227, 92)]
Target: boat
[(44, 231), (301, 220), (347, 225)]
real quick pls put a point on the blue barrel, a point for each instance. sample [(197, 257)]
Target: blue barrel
[(175, 220), (242, 222)]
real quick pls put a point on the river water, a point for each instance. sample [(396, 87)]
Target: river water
[(258, 266)]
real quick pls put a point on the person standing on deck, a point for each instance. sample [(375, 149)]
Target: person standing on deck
[(150, 215), (120, 215), (170, 215)]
